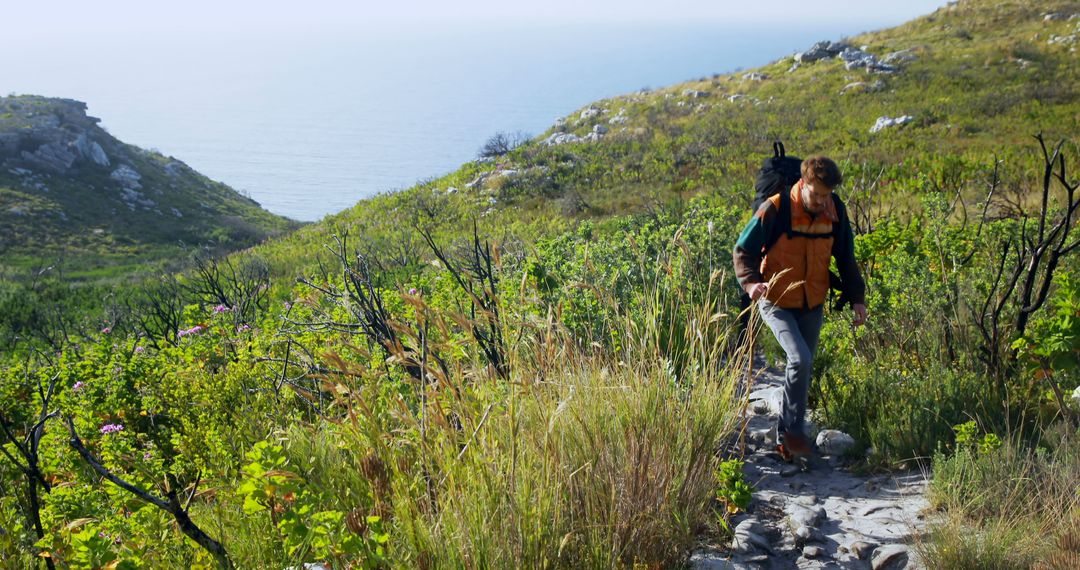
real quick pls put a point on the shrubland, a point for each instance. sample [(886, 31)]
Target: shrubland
[(533, 361)]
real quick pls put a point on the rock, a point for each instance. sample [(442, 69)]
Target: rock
[(890, 557), (127, 176), (619, 118), (805, 534), (813, 552), (863, 87), (451, 190), (856, 58), (862, 549), (558, 139), (902, 56), (589, 114), (834, 442), (773, 398), (851, 54), (600, 129), (1054, 17), (694, 93), (854, 87), (90, 150), (755, 76), (886, 122), (735, 97), (749, 524), (804, 516), (821, 50), (793, 67), (51, 156), (1063, 40), (747, 536)]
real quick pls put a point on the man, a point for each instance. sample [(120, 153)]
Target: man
[(790, 281)]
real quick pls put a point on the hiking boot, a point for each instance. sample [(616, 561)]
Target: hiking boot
[(796, 445), (784, 454)]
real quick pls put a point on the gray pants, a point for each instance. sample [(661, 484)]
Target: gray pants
[(797, 331)]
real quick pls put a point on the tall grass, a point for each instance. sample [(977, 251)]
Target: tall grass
[(585, 457), (1016, 506)]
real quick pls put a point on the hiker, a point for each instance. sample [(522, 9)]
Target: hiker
[(784, 267)]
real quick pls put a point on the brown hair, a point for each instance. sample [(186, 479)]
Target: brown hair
[(821, 169)]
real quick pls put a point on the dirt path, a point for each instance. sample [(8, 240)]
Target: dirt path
[(820, 517)]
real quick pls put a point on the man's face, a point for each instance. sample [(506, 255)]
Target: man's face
[(815, 196)]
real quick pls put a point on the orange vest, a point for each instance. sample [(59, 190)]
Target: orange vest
[(805, 283)]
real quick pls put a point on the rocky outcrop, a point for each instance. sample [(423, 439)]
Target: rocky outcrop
[(854, 58), (55, 135), (886, 122), (65, 176), (821, 50), (859, 59)]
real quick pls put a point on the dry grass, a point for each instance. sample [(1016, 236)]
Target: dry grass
[(1015, 507)]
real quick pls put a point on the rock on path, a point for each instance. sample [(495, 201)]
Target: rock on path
[(822, 517)]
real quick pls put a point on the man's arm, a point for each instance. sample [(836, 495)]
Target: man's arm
[(748, 249), (844, 252)]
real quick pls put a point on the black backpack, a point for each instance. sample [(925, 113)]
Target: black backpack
[(777, 175)]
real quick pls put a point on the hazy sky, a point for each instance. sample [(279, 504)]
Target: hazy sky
[(55, 19)]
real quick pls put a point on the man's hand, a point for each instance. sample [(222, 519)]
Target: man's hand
[(759, 290), (860, 314)]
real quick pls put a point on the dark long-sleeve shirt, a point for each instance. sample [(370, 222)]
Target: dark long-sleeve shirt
[(748, 253)]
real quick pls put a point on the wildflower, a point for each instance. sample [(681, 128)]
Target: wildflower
[(192, 330), (112, 428), (242, 328), (139, 349), (77, 386), (106, 330), (147, 456), (221, 309), (288, 305), (412, 291)]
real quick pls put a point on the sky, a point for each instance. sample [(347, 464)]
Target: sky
[(119, 19)]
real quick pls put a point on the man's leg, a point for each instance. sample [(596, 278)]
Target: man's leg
[(788, 328), (810, 328)]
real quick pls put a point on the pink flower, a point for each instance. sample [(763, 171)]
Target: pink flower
[(106, 330), (147, 456), (412, 291), (221, 309), (288, 305), (242, 328), (77, 386), (139, 349), (112, 428), (192, 330)]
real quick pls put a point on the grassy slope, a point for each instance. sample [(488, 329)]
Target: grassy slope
[(80, 215), (985, 79)]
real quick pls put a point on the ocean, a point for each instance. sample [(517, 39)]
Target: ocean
[(309, 125)]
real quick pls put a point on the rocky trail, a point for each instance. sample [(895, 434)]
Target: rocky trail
[(820, 515)]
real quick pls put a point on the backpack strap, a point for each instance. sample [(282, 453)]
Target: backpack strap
[(778, 149), (782, 224)]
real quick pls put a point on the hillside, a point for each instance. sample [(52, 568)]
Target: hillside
[(970, 84), (536, 361), (69, 189)]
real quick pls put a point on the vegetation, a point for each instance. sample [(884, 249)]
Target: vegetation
[(532, 362)]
